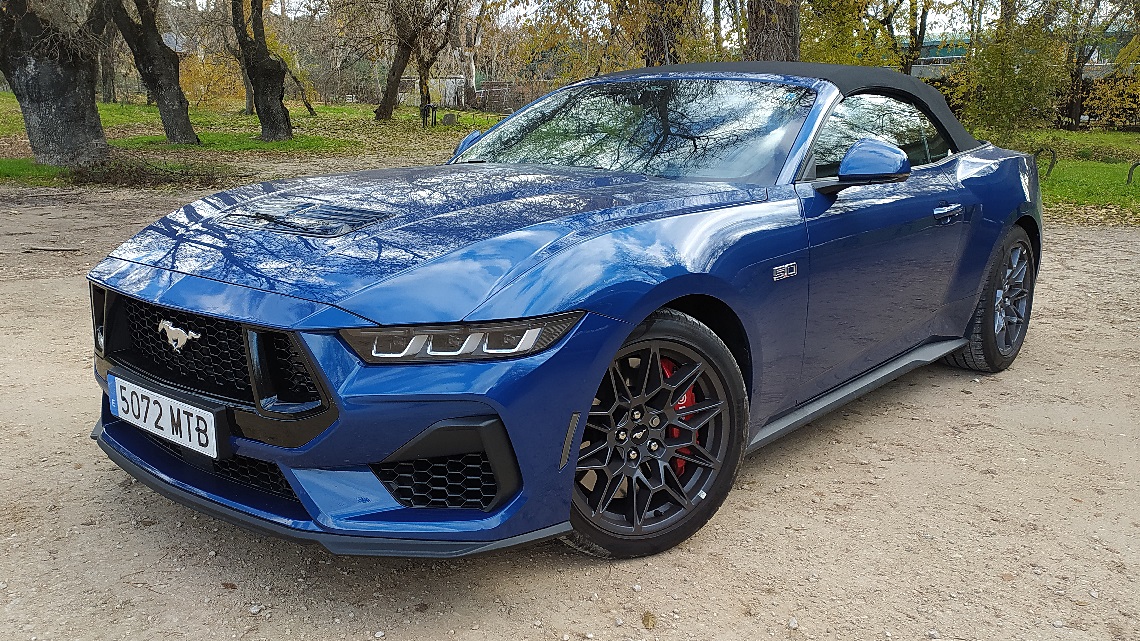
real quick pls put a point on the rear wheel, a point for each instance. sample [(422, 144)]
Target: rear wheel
[(1001, 318), (663, 441)]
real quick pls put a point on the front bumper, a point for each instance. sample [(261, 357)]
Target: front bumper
[(335, 543), (337, 499)]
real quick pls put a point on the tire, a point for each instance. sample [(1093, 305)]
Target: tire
[(662, 443), (1000, 322)]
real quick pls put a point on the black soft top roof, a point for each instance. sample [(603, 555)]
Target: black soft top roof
[(850, 80)]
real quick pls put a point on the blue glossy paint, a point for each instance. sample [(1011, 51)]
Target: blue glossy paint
[(467, 141), (878, 272), (873, 160)]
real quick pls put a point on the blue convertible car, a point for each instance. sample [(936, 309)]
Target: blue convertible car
[(578, 326)]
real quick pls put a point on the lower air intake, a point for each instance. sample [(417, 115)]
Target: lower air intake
[(458, 481)]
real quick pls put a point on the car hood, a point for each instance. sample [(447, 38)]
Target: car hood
[(438, 240)]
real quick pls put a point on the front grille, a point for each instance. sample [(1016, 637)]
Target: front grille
[(459, 481), (215, 362), (250, 472), (290, 375)]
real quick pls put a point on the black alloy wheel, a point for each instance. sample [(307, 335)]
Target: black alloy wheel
[(662, 442), (1001, 319)]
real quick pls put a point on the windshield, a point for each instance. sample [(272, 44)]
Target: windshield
[(679, 128)]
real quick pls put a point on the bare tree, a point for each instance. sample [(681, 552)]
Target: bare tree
[(158, 65), (773, 30), (432, 41), (410, 20), (265, 71), (52, 71)]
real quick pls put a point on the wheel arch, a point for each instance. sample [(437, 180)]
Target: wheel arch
[(1033, 230), (724, 322)]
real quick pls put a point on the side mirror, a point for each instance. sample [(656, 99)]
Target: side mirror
[(467, 141), (870, 162)]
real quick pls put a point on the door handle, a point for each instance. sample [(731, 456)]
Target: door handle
[(947, 213)]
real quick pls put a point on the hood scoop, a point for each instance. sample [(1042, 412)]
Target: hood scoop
[(301, 216)]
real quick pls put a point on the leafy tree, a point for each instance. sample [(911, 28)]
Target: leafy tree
[(840, 32), (1012, 79), (1084, 26)]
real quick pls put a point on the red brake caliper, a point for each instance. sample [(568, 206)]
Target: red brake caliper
[(688, 400)]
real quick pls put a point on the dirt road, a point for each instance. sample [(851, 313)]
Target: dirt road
[(945, 505)]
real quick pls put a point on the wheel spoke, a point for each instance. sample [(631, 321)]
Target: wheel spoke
[(639, 499), (698, 415), (682, 380), (697, 455), (673, 486), (589, 452), (622, 393), (606, 495), (651, 375)]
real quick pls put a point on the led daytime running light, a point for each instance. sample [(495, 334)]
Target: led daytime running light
[(461, 341)]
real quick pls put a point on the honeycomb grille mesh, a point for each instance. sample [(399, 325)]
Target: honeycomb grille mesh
[(251, 472), (291, 377), (215, 362), (460, 481)]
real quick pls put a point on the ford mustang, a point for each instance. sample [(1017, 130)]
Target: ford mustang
[(577, 327)]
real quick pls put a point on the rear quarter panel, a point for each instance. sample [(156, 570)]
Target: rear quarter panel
[(1006, 184)]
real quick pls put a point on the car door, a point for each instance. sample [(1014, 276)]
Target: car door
[(881, 256)]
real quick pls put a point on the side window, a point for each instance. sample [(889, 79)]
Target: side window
[(882, 118)]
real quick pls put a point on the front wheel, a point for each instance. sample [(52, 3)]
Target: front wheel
[(663, 441), (1001, 318)]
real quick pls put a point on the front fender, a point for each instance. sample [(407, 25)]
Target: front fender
[(729, 254)]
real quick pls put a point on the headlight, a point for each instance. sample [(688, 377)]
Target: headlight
[(460, 341)]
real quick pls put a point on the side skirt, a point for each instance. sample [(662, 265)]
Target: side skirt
[(855, 388)]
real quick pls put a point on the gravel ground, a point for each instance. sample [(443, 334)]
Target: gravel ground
[(945, 505)]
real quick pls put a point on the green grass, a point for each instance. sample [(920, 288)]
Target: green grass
[(29, 172), (226, 141), (1091, 183)]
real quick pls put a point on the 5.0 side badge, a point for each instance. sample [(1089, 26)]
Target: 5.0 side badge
[(784, 271)]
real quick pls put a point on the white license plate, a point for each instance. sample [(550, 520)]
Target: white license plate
[(175, 421)]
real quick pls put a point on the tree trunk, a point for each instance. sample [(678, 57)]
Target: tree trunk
[(392, 85), (469, 95), (1074, 106), (916, 25), (664, 25), (718, 35), (107, 67), (266, 72), (53, 75), (158, 67), (250, 107), (301, 90), (424, 71), (773, 30)]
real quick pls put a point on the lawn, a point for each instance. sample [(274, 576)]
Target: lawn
[(229, 139), (1088, 183)]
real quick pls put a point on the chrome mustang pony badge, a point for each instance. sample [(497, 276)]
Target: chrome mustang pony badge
[(175, 336)]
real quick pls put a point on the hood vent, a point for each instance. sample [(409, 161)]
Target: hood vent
[(301, 216)]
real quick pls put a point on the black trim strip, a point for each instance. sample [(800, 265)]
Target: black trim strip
[(841, 395)]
